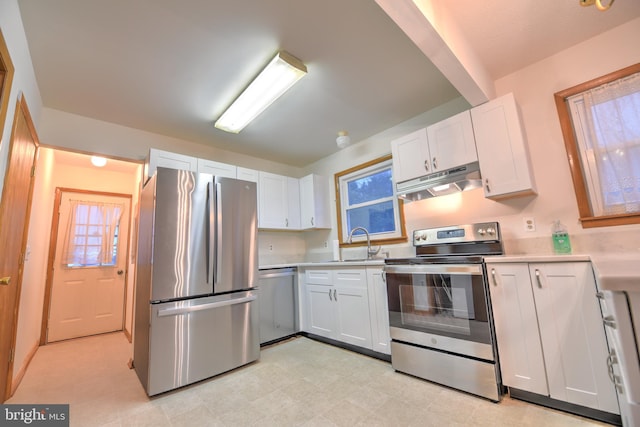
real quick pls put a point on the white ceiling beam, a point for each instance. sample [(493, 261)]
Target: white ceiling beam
[(428, 26)]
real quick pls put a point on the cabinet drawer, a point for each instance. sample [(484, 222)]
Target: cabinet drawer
[(350, 277), (318, 277)]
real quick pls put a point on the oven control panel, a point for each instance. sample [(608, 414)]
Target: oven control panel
[(469, 233)]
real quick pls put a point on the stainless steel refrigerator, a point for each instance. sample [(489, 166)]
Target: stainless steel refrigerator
[(196, 312)]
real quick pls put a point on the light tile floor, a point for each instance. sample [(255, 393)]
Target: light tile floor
[(299, 382)]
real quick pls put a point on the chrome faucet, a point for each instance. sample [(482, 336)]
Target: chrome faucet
[(370, 252)]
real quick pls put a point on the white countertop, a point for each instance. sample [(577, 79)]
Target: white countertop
[(340, 264), (613, 271), (617, 272)]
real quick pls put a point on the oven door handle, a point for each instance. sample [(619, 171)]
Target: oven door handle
[(452, 269)]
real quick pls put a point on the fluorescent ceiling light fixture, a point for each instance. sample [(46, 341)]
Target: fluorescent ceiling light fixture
[(98, 161), (278, 76)]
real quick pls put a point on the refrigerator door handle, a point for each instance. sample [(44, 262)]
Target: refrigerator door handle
[(185, 310), (218, 232), (211, 207)]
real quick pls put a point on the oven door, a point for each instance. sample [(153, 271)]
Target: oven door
[(440, 306)]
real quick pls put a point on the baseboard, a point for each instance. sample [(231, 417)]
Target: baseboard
[(127, 334), (15, 382), (351, 347), (595, 414)]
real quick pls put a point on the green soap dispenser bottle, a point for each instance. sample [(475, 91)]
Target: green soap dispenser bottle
[(560, 236)]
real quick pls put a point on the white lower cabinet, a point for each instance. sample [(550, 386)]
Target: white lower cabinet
[(549, 331), (339, 305), (378, 307)]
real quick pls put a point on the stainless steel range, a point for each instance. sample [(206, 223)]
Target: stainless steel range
[(440, 315)]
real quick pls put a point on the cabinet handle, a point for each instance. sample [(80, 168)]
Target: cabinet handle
[(312, 221), (426, 165), (330, 299), (5, 280), (435, 164), (286, 222), (486, 185), (384, 276), (538, 278), (493, 276), (612, 359), (599, 295), (335, 295), (609, 321)]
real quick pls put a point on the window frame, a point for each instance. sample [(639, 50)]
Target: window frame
[(587, 217), (340, 212)]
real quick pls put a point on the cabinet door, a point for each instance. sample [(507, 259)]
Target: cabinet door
[(411, 156), (352, 300), (247, 174), (166, 159), (320, 310), (216, 168), (502, 151), (293, 204), (451, 142), (572, 333), (514, 312), (273, 203), (314, 202), (378, 311)]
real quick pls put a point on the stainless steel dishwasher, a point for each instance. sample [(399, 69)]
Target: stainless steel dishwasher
[(278, 304)]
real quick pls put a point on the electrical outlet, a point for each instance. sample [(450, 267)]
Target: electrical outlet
[(326, 244), (529, 223), (270, 247)]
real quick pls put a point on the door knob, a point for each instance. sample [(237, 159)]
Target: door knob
[(120, 272), (5, 280)]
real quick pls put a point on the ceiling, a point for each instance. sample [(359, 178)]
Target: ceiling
[(171, 66)]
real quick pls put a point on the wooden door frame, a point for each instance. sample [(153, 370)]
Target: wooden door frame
[(7, 70), (21, 108), (53, 241)]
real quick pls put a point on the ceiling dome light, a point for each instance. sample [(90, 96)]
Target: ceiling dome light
[(343, 139), (98, 161)]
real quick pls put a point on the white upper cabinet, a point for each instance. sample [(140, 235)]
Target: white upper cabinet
[(247, 174), (441, 146), (293, 203), (274, 207), (314, 202), (411, 156), (502, 151), (278, 202), (216, 168), (167, 159), (451, 142)]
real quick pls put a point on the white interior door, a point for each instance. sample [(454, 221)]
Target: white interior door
[(88, 299)]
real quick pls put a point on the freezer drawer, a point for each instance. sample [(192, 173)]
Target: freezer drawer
[(196, 339)]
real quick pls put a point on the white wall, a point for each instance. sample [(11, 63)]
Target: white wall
[(533, 87), (62, 129)]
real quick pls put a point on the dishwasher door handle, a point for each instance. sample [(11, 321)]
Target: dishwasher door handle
[(273, 275), (191, 309)]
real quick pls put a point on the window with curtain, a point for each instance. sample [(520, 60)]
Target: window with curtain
[(91, 237), (604, 146), (367, 198)]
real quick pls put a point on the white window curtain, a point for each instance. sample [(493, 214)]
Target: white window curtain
[(613, 128), (90, 233)]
